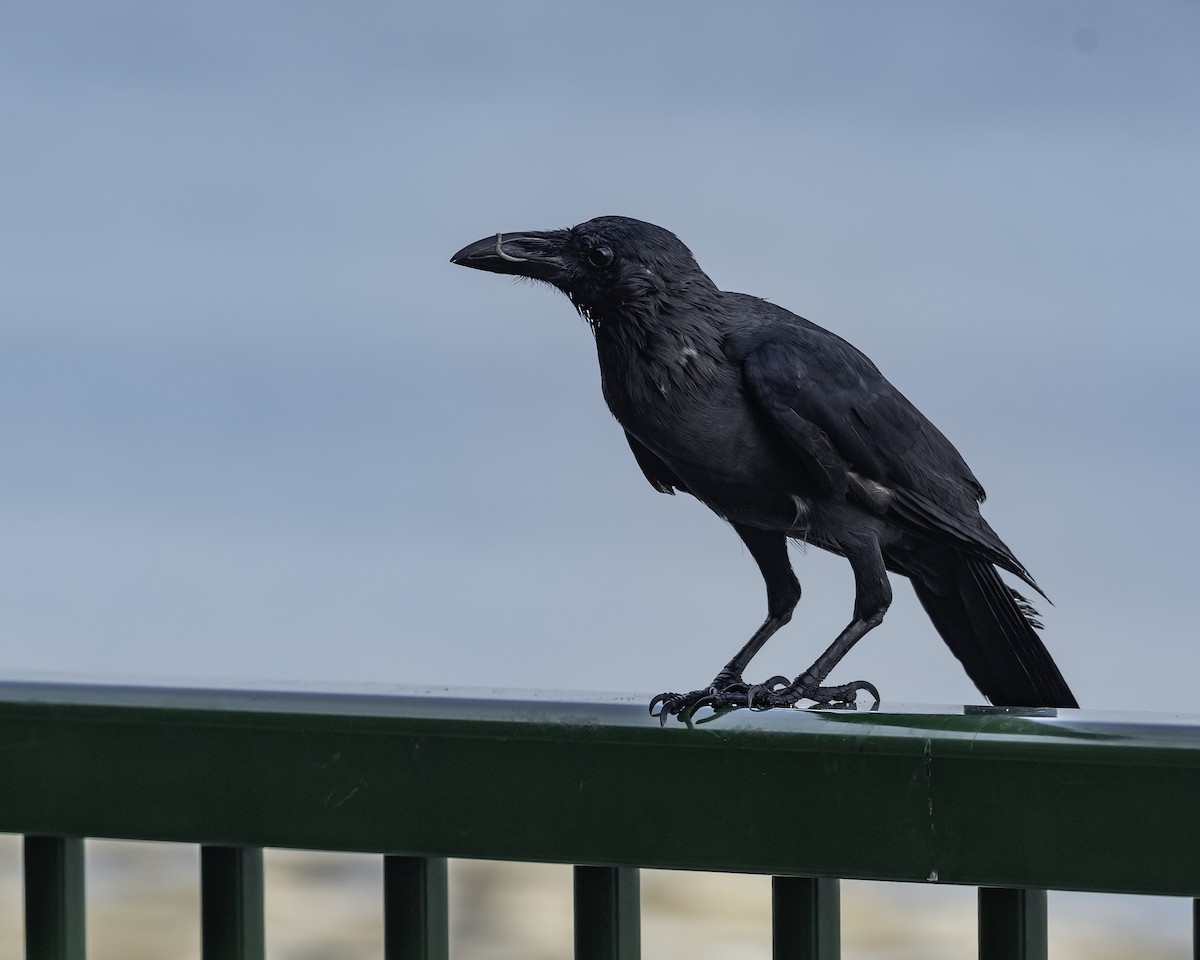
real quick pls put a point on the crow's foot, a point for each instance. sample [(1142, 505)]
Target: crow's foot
[(725, 693), (789, 694), (682, 705)]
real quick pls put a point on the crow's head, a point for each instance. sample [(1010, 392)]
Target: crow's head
[(608, 267)]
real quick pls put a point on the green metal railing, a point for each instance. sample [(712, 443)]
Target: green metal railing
[(1013, 803)]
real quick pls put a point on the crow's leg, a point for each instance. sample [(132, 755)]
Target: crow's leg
[(769, 550), (873, 596)]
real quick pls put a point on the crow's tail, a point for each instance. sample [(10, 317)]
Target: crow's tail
[(990, 628)]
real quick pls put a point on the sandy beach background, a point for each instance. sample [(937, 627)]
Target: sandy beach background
[(143, 904)]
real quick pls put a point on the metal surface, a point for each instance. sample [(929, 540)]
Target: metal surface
[(54, 898), (607, 913), (231, 903), (1012, 924), (806, 918), (415, 909), (982, 797)]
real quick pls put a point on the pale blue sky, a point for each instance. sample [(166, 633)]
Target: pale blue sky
[(257, 427)]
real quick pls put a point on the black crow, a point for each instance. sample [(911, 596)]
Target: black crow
[(785, 430)]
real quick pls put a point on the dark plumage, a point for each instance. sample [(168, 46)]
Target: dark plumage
[(786, 430)]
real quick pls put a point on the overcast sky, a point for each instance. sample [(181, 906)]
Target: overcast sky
[(257, 427)]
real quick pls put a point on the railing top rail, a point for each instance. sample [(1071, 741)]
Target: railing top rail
[(1147, 728), (1066, 799)]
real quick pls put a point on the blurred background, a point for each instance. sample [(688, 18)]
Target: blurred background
[(143, 904), (258, 429)]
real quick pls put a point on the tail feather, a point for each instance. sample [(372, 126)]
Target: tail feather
[(990, 628)]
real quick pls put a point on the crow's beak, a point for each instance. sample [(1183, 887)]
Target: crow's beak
[(539, 255)]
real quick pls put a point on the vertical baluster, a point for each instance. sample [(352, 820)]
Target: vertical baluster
[(231, 903), (806, 918), (1012, 924), (607, 913), (415, 912), (54, 899)]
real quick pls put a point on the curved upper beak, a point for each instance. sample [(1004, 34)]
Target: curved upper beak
[(536, 254)]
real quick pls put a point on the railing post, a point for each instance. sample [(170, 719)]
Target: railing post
[(231, 903), (54, 898), (607, 913), (415, 914), (1012, 924), (805, 918)]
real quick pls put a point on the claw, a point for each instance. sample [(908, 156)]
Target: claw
[(759, 689), (719, 712), (845, 695), (848, 693), (661, 699)]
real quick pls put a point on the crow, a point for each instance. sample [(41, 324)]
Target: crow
[(786, 431)]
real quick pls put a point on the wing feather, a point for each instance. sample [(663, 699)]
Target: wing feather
[(859, 439)]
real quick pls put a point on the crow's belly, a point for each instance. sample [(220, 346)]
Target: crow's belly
[(749, 478), (741, 475), (715, 444)]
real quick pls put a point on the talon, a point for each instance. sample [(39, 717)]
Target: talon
[(759, 689), (719, 712), (844, 695)]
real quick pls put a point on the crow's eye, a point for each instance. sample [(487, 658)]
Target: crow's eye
[(600, 256)]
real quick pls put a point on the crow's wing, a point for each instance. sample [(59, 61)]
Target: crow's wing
[(860, 439)]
